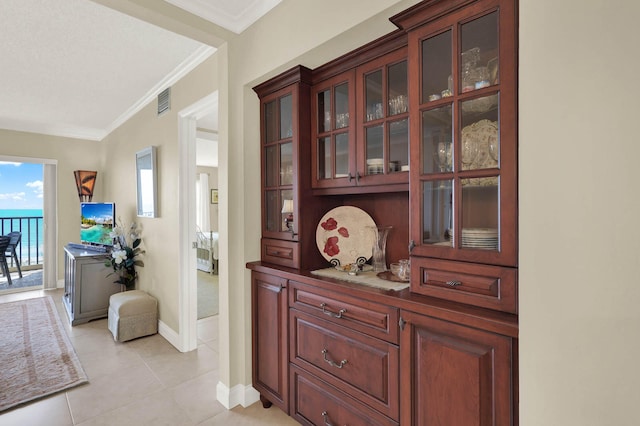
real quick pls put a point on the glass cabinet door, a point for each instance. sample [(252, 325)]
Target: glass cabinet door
[(383, 147), (278, 180), (465, 181), (332, 115)]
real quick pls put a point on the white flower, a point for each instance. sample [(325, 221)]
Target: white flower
[(119, 256)]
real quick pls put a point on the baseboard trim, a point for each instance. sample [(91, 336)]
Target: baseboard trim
[(170, 335), (238, 395)]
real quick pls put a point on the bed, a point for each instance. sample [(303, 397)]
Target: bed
[(207, 251)]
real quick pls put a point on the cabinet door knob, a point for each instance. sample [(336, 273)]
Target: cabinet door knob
[(332, 314), (350, 176), (401, 323), (332, 362)]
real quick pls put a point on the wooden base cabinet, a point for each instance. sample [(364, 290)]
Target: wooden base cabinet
[(453, 374), (315, 402), (270, 339)]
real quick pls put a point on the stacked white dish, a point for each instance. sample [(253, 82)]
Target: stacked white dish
[(480, 238), (375, 166)]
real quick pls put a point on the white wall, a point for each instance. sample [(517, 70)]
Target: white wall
[(159, 276), (579, 210)]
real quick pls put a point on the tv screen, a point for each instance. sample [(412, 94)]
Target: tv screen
[(96, 223)]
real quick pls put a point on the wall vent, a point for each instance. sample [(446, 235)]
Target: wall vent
[(164, 101)]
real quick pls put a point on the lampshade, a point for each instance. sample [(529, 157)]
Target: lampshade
[(287, 206), (85, 181)]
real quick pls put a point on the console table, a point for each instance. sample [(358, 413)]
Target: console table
[(87, 287)]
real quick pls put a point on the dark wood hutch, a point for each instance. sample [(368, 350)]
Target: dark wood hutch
[(418, 129)]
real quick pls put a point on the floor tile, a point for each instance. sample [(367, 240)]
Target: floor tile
[(51, 411), (145, 381)]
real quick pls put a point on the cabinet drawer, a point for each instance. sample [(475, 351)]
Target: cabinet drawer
[(280, 252), (364, 367), (314, 402), (486, 286), (371, 318)]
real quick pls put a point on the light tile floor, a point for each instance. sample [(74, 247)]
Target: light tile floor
[(141, 382)]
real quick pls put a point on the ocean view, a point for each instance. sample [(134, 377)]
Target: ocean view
[(35, 238)]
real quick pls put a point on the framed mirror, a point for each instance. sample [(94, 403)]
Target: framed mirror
[(147, 180)]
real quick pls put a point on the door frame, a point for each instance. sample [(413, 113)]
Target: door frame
[(187, 271), (49, 216)]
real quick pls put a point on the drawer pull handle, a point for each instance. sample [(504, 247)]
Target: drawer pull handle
[(331, 362), (453, 283), (332, 314), (326, 419)]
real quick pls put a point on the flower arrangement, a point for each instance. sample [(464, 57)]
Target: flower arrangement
[(123, 256)]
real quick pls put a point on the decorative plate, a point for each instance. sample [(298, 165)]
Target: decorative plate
[(480, 146), (344, 236)]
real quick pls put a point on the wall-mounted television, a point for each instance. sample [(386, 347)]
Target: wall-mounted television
[(96, 223)]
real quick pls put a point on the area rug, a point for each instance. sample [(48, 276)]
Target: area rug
[(36, 355)]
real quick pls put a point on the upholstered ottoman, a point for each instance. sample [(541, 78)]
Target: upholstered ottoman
[(132, 314)]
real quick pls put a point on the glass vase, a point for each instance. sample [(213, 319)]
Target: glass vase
[(379, 254)]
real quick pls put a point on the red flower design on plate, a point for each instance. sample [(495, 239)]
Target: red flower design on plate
[(344, 232), (331, 246), (330, 224)]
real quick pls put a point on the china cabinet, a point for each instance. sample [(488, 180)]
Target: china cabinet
[(418, 129), (383, 120), (333, 113), (464, 151), (285, 149), (463, 119), (360, 126)]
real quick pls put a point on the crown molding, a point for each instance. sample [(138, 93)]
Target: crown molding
[(218, 16), (195, 59), (54, 129)]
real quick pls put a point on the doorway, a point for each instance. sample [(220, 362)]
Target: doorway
[(201, 112), (36, 199)]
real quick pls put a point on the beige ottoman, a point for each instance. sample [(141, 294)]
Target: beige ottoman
[(132, 314)]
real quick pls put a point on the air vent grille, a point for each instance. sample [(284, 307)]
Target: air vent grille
[(164, 101)]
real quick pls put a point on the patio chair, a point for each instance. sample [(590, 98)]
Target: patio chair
[(4, 244), (15, 236)]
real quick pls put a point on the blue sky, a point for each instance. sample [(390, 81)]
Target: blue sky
[(20, 185)]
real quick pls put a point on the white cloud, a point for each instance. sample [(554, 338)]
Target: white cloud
[(9, 163), (36, 185), (13, 196)]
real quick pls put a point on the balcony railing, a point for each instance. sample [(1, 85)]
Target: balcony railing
[(29, 251)]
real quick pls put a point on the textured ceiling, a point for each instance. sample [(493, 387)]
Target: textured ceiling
[(79, 69)]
